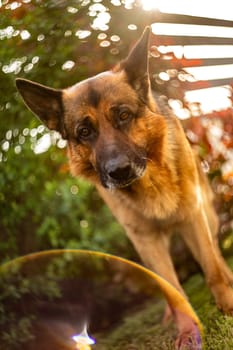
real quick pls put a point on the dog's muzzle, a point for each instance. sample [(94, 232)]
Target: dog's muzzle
[(121, 171)]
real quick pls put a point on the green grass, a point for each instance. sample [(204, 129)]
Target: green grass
[(218, 327), (143, 330)]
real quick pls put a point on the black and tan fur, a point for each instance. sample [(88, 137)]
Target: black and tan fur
[(142, 165)]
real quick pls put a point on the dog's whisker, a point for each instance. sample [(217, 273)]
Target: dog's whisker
[(149, 159)]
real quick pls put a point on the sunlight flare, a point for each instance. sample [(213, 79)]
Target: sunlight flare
[(83, 340)]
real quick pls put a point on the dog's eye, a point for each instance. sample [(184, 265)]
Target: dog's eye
[(84, 132), (124, 116), (121, 115)]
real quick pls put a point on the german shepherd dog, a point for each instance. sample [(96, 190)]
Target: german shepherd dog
[(142, 165)]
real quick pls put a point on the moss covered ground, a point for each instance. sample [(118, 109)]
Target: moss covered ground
[(143, 330)]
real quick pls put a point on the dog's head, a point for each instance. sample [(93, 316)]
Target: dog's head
[(109, 120)]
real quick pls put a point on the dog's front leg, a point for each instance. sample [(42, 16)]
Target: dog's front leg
[(154, 251), (201, 242)]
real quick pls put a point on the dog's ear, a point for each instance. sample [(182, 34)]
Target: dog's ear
[(136, 64), (43, 101)]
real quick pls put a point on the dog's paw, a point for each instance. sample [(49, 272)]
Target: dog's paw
[(224, 300), (225, 308), (189, 335), (189, 340)]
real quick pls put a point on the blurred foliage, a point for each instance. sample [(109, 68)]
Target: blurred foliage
[(59, 43), (212, 136), (16, 288)]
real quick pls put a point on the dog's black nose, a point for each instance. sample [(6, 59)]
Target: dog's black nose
[(119, 168)]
